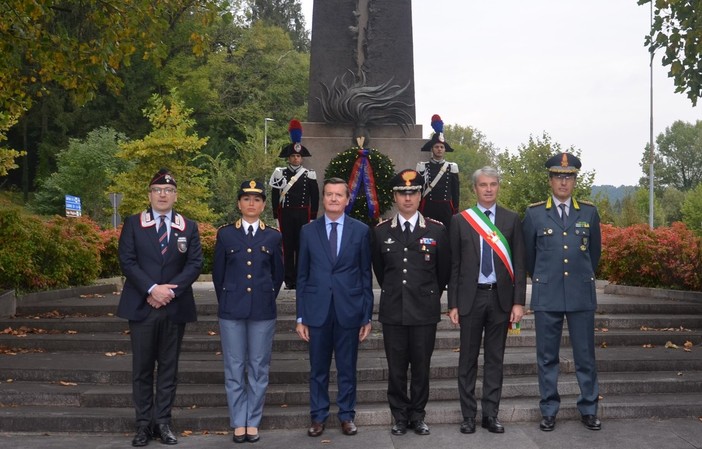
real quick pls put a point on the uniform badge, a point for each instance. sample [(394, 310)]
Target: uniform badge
[(549, 231), (182, 244), (389, 241), (583, 248), (427, 258)]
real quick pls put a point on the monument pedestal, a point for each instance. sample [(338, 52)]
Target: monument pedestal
[(326, 141)]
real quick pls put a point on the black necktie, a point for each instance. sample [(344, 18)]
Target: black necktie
[(407, 232), (332, 240), (163, 235), (250, 233), (486, 258), (564, 215)]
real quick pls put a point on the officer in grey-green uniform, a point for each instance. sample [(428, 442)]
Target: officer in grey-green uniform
[(563, 246)]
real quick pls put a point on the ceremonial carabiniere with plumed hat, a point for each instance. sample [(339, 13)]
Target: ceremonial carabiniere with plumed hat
[(441, 185), (294, 198)]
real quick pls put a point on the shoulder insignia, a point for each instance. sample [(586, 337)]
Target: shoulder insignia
[(431, 220), (311, 174), (454, 167), (278, 180), (383, 221), (537, 204), (421, 166), (263, 225), (589, 203)]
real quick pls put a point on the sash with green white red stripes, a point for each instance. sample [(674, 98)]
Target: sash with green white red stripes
[(489, 232)]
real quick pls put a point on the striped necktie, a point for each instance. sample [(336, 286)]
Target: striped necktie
[(163, 235)]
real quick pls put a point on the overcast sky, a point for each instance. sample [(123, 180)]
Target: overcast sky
[(576, 69)]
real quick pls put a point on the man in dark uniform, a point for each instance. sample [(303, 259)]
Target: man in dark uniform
[(411, 261), (295, 199), (563, 246), (441, 185), (487, 291), (161, 256)]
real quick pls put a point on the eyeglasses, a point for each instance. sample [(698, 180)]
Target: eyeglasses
[(564, 177), (159, 190)]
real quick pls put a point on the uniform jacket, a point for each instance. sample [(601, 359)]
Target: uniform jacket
[(447, 189), (348, 280), (413, 275), (466, 250), (562, 260), (247, 274), (303, 194), (143, 266)]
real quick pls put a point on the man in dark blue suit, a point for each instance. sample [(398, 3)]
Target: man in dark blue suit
[(160, 256), (563, 246), (334, 303)]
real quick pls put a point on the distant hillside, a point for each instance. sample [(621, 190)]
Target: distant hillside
[(614, 193)]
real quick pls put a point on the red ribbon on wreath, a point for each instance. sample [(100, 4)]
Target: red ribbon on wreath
[(362, 177)]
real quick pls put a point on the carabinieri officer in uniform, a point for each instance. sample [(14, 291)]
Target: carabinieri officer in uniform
[(247, 274), (441, 190), (294, 198), (563, 246), (412, 263)]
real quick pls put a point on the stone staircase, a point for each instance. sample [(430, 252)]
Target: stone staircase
[(65, 366)]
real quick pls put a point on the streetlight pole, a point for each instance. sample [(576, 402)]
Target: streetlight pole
[(265, 134), (651, 154)]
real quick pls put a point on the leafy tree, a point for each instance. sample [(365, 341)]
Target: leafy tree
[(671, 205), (692, 210), (170, 144), (677, 30), (525, 178), (286, 14), (604, 208), (256, 74), (678, 157), (472, 151), (81, 48), (85, 169), (7, 155)]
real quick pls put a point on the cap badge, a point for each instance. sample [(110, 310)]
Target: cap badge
[(564, 160)]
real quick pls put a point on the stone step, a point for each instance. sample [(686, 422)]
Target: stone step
[(19, 393), (293, 368), (214, 419), (207, 323), (206, 339)]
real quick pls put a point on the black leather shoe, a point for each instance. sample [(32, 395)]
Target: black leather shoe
[(253, 438), (142, 436), (400, 428), (591, 422), (548, 423), (166, 434), (468, 425), (493, 425), (239, 438), (420, 427)]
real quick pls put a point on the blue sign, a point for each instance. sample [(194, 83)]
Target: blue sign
[(73, 208)]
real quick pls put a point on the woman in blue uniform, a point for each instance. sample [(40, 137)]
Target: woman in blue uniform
[(247, 274)]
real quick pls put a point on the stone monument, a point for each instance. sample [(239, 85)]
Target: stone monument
[(362, 81)]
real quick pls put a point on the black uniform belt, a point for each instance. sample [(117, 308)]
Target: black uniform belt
[(487, 286)]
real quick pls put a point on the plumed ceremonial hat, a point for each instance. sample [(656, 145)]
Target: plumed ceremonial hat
[(438, 137), (295, 147)]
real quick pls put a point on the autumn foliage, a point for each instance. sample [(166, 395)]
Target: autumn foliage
[(665, 257)]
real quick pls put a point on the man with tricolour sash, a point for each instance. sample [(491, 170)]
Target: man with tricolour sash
[(487, 292), (294, 199)]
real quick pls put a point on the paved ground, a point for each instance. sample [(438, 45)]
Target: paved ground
[(681, 433)]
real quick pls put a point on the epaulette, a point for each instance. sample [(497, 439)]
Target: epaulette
[(453, 167), (589, 203), (433, 220), (383, 221), (225, 225), (537, 204), (311, 174)]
